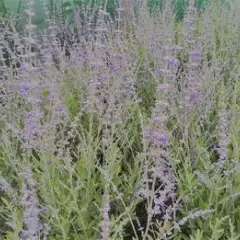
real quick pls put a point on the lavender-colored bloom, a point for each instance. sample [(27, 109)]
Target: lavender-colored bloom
[(85, 57), (37, 114), (190, 22), (112, 67), (195, 98), (158, 141), (164, 139), (59, 108), (158, 120), (156, 137), (158, 200), (24, 89), (105, 223), (157, 72), (32, 127), (173, 64), (37, 69), (59, 113), (30, 92), (23, 67), (30, 219), (157, 210), (117, 57), (106, 208), (195, 55)]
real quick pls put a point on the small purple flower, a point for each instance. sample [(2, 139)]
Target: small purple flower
[(32, 127), (23, 67), (106, 208), (164, 139), (117, 57), (173, 64), (158, 120), (59, 113), (85, 57), (24, 89), (157, 72), (30, 205), (195, 55), (190, 22), (112, 67), (195, 98), (105, 223), (59, 108), (158, 139), (158, 200), (37, 70)]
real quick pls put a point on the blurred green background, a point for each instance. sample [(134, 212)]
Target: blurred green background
[(66, 7)]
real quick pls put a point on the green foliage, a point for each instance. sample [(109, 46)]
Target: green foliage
[(3, 8), (71, 185), (155, 6), (71, 94), (66, 9), (179, 8), (146, 83)]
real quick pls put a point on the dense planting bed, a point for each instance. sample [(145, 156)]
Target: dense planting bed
[(124, 127)]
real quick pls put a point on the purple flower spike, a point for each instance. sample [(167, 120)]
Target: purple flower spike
[(164, 139), (30, 205), (173, 64), (158, 140), (105, 223), (24, 89)]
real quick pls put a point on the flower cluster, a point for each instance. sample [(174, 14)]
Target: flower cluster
[(163, 179), (30, 205), (44, 112), (224, 140), (158, 179), (105, 220), (192, 94)]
